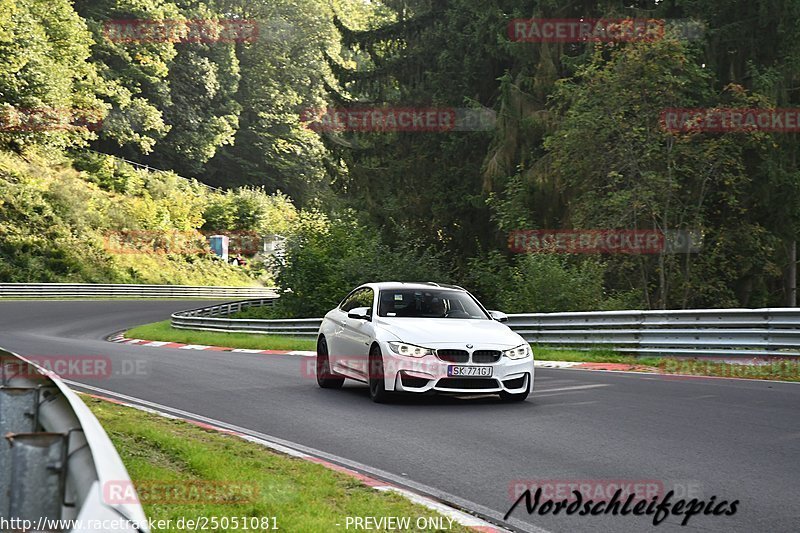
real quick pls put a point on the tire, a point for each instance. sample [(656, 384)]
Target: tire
[(516, 396), (326, 379), (377, 385)]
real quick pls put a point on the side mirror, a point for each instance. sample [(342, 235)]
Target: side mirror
[(499, 316), (360, 313)]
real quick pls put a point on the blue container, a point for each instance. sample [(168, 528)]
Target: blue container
[(219, 245)]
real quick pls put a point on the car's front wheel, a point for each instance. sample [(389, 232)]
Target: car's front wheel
[(516, 396), (325, 377), (377, 385)]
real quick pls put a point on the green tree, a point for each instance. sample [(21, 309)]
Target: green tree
[(134, 72), (47, 86), (327, 257), (281, 75), (621, 169)]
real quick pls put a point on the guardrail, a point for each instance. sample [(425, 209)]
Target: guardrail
[(206, 319), (101, 290), (55, 458), (695, 332)]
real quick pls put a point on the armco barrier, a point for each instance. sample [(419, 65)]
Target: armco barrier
[(209, 319), (55, 457), (99, 290), (712, 332), (695, 332)]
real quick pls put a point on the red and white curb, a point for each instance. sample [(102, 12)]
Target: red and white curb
[(608, 367), (460, 517), (120, 338)]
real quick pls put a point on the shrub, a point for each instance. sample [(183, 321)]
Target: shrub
[(327, 257), (541, 283), (54, 221)]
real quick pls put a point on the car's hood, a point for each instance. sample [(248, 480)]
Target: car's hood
[(446, 332)]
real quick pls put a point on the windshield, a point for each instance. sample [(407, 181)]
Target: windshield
[(428, 303)]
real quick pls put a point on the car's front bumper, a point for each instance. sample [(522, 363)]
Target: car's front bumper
[(429, 373)]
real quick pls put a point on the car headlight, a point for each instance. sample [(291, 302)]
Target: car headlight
[(401, 348), (520, 352)]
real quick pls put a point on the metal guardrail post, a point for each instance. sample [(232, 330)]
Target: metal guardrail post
[(56, 459)]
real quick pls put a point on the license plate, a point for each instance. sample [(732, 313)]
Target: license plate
[(476, 371)]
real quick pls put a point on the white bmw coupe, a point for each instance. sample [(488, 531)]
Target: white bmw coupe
[(421, 337)]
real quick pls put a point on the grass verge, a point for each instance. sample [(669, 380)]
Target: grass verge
[(592, 356), (163, 331), (172, 462)]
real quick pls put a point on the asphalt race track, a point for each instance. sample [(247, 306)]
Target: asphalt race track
[(736, 440)]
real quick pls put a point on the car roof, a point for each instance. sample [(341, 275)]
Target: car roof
[(412, 285)]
